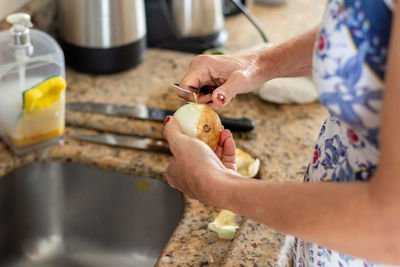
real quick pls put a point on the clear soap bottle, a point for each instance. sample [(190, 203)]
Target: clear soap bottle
[(32, 87)]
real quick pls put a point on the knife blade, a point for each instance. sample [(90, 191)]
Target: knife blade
[(199, 91), (190, 90), (146, 113), (141, 143)]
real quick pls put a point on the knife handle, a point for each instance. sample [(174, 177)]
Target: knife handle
[(159, 146), (243, 124)]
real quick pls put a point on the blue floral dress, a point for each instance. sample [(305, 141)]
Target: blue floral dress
[(348, 69)]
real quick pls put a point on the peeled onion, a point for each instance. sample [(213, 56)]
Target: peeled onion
[(201, 122)]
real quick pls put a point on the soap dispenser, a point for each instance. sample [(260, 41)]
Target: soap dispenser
[(32, 87)]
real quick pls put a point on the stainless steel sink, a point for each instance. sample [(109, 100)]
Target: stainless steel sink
[(67, 215)]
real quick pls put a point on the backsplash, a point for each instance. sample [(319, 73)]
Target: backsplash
[(42, 12)]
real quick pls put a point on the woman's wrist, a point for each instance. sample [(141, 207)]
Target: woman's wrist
[(289, 59), (277, 61), (220, 190), (268, 62)]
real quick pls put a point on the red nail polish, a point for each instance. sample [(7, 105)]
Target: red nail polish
[(221, 98), (167, 119)]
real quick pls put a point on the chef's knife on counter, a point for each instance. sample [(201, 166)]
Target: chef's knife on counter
[(146, 113), (141, 143)]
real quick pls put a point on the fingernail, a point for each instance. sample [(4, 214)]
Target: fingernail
[(167, 119), (221, 98)]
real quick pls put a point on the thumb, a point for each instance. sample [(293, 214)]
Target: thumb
[(223, 94), (228, 157)]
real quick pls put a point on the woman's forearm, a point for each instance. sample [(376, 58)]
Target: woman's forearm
[(290, 59), (344, 217)]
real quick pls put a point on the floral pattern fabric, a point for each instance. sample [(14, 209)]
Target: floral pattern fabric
[(349, 65)]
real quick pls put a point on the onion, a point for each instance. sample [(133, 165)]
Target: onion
[(201, 122)]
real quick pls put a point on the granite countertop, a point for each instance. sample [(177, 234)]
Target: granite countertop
[(283, 138)]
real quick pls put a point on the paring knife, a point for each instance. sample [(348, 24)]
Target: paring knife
[(146, 113), (141, 143), (200, 91), (187, 90)]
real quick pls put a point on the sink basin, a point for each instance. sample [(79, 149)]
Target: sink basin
[(66, 215)]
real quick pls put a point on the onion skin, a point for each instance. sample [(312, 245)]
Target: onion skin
[(208, 125)]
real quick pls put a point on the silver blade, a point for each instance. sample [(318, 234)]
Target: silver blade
[(140, 143), (138, 112), (189, 90)]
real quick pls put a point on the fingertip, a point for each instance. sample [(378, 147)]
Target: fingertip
[(220, 97), (173, 122), (171, 127), (228, 133), (217, 102), (166, 120)]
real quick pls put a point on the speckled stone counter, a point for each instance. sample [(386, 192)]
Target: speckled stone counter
[(283, 138)]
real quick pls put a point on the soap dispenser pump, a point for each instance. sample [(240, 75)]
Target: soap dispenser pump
[(32, 87)]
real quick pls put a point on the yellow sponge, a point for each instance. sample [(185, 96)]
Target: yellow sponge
[(43, 115), (44, 94)]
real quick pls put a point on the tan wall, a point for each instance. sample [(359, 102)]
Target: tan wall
[(8, 6)]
